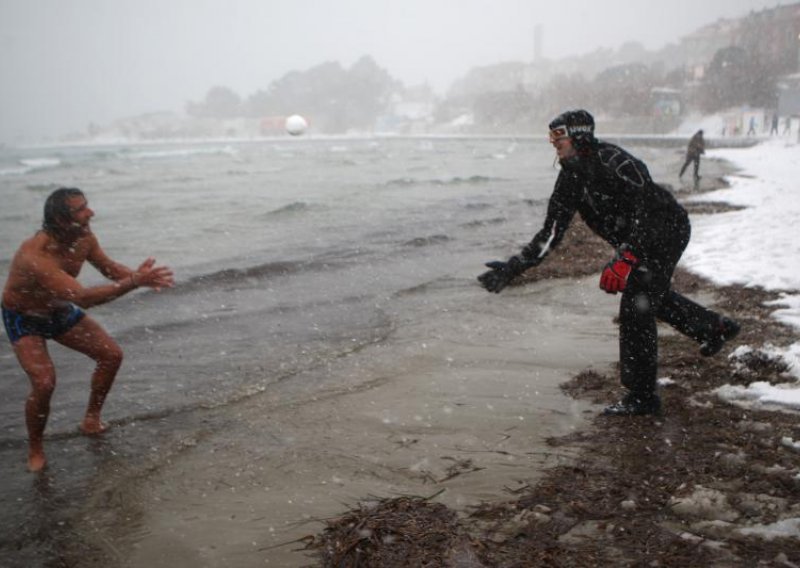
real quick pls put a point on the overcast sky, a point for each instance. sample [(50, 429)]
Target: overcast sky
[(66, 63)]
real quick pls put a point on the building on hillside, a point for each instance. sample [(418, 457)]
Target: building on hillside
[(666, 102), (409, 112), (789, 95), (702, 44), (770, 36)]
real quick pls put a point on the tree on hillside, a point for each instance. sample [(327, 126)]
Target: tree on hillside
[(624, 89), (258, 104), (562, 93), (734, 77), (498, 78), (368, 91), (501, 111), (220, 102), (334, 98)]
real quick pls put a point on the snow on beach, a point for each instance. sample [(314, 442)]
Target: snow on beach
[(757, 246)]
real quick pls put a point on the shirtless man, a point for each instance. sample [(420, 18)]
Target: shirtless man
[(42, 300)]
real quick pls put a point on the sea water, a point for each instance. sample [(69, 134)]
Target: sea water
[(284, 252)]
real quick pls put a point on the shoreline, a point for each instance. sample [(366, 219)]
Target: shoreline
[(706, 483), (664, 140)]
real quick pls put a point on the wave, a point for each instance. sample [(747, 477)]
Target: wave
[(457, 180), (183, 179), (259, 272), (42, 187), (404, 181), (13, 217), (168, 153), (441, 283), (294, 207), (13, 171), (472, 180), (28, 165), (329, 260), (427, 241), (40, 163), (484, 222)]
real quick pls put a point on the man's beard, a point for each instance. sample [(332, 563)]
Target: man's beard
[(69, 233)]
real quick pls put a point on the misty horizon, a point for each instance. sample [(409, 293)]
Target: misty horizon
[(68, 65)]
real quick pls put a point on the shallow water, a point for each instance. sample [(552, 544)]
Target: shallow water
[(306, 269), (284, 252)]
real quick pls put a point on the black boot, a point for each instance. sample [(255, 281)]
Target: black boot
[(727, 330), (635, 405)]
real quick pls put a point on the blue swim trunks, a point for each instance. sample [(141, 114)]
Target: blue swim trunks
[(57, 323)]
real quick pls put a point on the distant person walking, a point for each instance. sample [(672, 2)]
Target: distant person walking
[(774, 128), (751, 131), (42, 300), (695, 149), (787, 126)]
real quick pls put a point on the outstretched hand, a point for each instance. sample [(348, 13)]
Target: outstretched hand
[(152, 276), (501, 274)]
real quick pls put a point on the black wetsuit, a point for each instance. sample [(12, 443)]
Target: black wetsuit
[(616, 197)]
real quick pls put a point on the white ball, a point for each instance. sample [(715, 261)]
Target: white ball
[(296, 125)]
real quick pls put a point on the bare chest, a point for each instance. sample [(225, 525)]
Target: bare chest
[(72, 259)]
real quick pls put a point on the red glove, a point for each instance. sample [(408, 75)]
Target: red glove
[(615, 274)]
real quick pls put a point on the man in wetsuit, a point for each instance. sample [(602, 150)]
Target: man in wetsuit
[(695, 149), (42, 300), (649, 230)]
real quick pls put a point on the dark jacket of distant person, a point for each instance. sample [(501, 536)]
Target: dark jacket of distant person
[(697, 145)]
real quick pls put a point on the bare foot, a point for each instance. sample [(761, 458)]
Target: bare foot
[(92, 427), (36, 461)]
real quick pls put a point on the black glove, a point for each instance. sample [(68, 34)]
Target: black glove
[(502, 273)]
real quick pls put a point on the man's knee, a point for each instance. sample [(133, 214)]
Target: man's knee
[(43, 384), (115, 355), (110, 356)]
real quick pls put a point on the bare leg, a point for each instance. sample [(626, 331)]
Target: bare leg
[(89, 338), (31, 352)]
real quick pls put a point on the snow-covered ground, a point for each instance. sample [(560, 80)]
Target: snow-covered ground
[(757, 246)]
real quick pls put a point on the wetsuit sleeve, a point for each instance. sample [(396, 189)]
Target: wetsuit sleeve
[(560, 211)]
